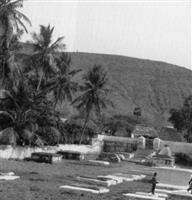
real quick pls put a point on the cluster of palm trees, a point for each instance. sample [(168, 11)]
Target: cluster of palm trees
[(32, 87)]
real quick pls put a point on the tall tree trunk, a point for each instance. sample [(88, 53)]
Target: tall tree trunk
[(84, 127)]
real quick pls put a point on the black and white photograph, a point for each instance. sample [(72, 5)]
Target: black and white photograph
[(95, 100)]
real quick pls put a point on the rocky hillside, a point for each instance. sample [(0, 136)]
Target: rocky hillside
[(154, 86)]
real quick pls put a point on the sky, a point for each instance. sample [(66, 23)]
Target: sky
[(156, 30)]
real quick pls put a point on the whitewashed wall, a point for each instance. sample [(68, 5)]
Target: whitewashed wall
[(177, 147), (9, 152)]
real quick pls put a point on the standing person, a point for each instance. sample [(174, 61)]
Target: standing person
[(190, 185), (154, 182)]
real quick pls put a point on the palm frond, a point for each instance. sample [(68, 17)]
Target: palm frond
[(24, 17), (7, 114), (58, 45)]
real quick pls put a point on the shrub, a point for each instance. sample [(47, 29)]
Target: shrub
[(183, 159), (71, 133)]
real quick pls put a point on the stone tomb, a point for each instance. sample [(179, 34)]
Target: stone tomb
[(46, 157), (71, 155), (161, 160), (76, 155), (164, 157)]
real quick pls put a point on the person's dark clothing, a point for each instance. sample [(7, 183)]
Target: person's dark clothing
[(154, 182), (190, 185)]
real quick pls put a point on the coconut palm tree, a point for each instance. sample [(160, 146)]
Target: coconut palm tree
[(10, 19), (62, 83), (11, 22), (44, 53), (24, 112), (93, 94)]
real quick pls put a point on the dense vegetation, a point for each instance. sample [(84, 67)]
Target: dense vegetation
[(31, 89), (182, 118)]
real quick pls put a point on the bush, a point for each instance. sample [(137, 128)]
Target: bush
[(71, 133), (183, 159)]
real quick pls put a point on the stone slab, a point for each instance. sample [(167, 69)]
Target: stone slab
[(161, 195), (138, 196), (99, 162), (116, 178), (95, 191), (128, 177), (8, 178), (164, 191), (177, 187), (97, 181)]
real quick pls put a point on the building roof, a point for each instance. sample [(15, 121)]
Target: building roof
[(145, 131)]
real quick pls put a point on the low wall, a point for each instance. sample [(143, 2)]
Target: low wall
[(116, 139), (9, 152), (177, 147), (112, 144)]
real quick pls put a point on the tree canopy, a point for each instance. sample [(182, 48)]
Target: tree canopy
[(182, 118)]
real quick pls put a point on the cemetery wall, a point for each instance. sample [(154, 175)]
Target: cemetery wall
[(10, 152), (114, 144), (177, 147), (117, 139)]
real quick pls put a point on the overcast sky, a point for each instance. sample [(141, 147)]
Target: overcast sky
[(157, 30)]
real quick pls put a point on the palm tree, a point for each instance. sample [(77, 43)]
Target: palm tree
[(26, 114), (16, 113), (44, 52), (94, 94), (62, 84), (11, 19)]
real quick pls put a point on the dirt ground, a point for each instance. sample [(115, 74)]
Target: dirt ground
[(41, 181)]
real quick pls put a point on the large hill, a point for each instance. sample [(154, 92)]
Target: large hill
[(152, 85)]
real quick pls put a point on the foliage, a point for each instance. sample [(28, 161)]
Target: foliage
[(71, 134), (27, 113), (183, 159), (94, 93), (43, 59), (11, 23), (122, 122), (62, 84), (182, 118), (32, 89)]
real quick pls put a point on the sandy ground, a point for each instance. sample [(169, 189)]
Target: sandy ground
[(41, 181)]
